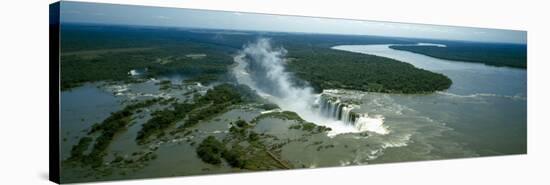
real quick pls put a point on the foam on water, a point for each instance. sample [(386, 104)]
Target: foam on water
[(479, 95), (372, 124)]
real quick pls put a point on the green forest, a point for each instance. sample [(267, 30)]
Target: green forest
[(509, 55), (90, 55), (332, 69), (109, 54)]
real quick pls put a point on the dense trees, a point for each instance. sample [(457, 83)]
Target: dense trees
[(110, 52), (312, 58), (76, 69), (254, 155), (510, 55), (217, 99), (166, 54), (162, 119), (210, 150), (310, 127), (285, 115), (325, 68), (77, 152), (235, 156)]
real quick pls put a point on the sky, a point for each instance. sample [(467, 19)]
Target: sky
[(80, 12)]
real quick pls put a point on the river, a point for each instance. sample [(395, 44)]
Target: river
[(483, 113)]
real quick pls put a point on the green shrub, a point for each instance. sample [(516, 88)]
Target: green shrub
[(78, 150), (210, 150), (234, 156)]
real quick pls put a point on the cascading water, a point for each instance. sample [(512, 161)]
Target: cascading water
[(335, 109), (262, 68)]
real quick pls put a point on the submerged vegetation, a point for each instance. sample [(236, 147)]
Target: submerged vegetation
[(215, 101), (107, 130)]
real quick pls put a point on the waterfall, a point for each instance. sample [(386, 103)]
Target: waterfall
[(262, 67), (335, 109)]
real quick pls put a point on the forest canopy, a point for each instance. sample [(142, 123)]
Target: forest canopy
[(509, 55), (326, 68), (109, 54)]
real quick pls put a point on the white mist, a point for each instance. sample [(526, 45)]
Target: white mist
[(262, 68)]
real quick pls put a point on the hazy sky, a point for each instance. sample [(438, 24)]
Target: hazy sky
[(177, 17)]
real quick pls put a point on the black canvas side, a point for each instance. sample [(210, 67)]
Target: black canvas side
[(54, 92)]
